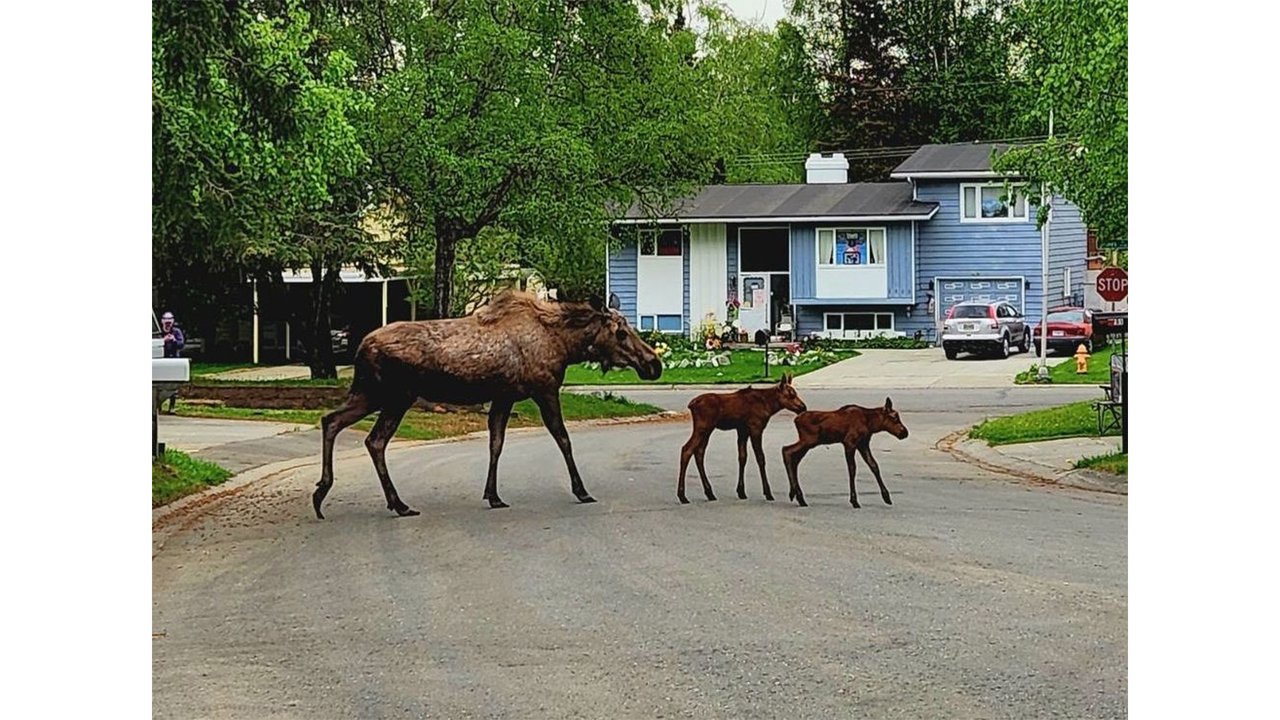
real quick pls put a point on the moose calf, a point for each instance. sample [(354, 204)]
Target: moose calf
[(851, 426), (748, 411)]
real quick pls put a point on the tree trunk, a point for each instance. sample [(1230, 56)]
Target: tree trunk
[(320, 352), (446, 260)]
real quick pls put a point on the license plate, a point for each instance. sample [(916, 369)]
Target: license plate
[(1056, 333), (968, 327)]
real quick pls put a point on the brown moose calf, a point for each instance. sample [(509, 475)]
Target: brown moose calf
[(851, 426), (748, 411)]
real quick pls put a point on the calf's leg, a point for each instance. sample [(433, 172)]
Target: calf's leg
[(853, 471), (791, 457), (764, 479), (698, 454), (697, 438), (865, 450), (742, 462)]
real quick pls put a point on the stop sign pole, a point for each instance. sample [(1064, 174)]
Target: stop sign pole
[(1113, 286)]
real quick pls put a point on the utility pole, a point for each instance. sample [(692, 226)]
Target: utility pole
[(1042, 373)]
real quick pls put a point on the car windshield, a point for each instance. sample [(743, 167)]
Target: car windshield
[(971, 311), (1069, 316)]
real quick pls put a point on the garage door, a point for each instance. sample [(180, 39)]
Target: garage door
[(951, 291)]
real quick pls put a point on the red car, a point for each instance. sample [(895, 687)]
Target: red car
[(1069, 327)]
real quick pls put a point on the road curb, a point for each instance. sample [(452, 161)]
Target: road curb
[(181, 514), (976, 452)]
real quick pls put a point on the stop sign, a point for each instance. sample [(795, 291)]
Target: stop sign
[(1113, 284)]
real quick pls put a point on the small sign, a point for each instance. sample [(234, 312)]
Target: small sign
[(757, 297)]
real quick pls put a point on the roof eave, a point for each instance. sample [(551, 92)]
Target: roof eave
[(950, 175), (788, 218)]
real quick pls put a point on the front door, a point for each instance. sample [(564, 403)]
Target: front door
[(754, 296)]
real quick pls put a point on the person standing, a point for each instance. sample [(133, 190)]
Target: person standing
[(174, 341)]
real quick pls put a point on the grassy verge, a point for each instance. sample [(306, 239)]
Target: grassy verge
[(1117, 463), (176, 474), (1074, 420), (211, 368), (419, 425), (746, 367), (1064, 372)]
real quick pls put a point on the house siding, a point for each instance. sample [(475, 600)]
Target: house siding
[(946, 247), (622, 277), (684, 251), (1068, 248)]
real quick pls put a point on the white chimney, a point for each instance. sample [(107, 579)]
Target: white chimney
[(820, 169)]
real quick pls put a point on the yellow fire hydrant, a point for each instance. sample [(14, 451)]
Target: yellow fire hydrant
[(1082, 360)]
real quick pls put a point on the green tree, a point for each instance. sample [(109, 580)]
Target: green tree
[(528, 116), (258, 165), (1076, 56)]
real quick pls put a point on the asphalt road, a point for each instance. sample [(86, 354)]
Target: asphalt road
[(972, 596)]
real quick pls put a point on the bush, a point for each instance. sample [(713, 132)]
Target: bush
[(875, 343)]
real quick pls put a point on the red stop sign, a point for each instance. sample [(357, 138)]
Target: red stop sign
[(1113, 284)]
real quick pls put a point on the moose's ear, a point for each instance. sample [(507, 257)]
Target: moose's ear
[(888, 404)]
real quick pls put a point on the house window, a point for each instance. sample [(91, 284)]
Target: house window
[(841, 247), (661, 243), (991, 202), (662, 323), (855, 323)]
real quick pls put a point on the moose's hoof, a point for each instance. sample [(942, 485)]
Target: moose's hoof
[(888, 500), (769, 498), (496, 503), (586, 499), (405, 511), (742, 496), (683, 500), (800, 501)]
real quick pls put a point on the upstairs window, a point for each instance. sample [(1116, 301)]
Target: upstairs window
[(991, 202), (847, 247), (664, 243)]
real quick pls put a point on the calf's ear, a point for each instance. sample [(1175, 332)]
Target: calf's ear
[(888, 404)]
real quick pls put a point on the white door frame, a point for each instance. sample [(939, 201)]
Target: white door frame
[(767, 274)]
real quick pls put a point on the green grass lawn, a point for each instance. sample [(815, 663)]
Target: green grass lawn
[(177, 474), (747, 367), (211, 368), (1074, 420), (1117, 463), (420, 425), (1063, 372)]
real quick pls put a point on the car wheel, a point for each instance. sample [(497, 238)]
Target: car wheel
[(1026, 341), (950, 352), (1004, 347)]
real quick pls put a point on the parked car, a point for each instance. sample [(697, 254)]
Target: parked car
[(982, 328), (1069, 328)]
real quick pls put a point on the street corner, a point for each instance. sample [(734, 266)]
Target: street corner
[(1046, 462)]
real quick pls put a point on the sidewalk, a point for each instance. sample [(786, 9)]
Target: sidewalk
[(1048, 461)]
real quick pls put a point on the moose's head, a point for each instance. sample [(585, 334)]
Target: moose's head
[(617, 344), (891, 422), (788, 397)]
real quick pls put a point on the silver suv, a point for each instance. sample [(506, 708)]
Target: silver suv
[(982, 328)]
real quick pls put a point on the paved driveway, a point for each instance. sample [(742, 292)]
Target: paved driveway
[(927, 368)]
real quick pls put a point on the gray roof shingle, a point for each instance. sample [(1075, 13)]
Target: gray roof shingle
[(952, 158), (817, 201)]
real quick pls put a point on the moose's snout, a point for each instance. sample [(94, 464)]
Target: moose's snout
[(649, 370), (903, 434)]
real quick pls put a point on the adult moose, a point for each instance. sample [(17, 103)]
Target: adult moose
[(851, 426), (515, 347), (748, 411)]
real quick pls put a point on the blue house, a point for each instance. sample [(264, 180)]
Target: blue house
[(847, 260)]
